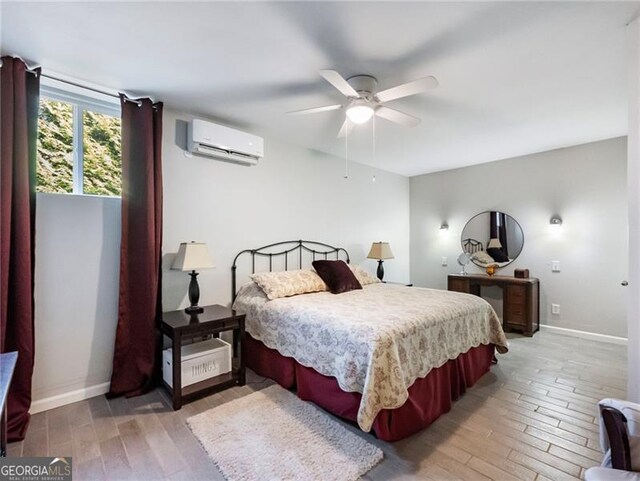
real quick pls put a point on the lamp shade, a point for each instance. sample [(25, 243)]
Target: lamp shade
[(380, 250), (192, 256), (494, 244)]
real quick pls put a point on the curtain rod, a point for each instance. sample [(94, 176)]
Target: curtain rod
[(74, 84)]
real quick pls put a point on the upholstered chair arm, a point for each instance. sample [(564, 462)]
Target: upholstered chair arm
[(631, 412), (607, 474)]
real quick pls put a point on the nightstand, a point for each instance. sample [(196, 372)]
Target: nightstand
[(178, 325)]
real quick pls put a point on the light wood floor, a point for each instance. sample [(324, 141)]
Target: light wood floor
[(532, 418)]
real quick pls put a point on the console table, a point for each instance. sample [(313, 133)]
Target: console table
[(520, 298)]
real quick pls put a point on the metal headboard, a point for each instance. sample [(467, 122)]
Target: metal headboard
[(316, 249), (471, 246)]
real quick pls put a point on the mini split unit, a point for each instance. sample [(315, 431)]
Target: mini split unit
[(223, 143)]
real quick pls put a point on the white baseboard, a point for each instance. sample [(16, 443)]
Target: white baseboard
[(622, 341), (68, 398)]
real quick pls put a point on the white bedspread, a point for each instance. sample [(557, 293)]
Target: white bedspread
[(376, 341)]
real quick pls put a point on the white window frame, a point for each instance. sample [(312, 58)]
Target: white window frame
[(80, 102)]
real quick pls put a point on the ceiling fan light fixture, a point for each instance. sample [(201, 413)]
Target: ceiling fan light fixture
[(359, 112)]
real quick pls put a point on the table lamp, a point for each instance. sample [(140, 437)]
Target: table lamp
[(380, 251), (192, 256)]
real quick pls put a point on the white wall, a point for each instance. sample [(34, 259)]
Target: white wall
[(294, 193), (585, 185), (76, 294)]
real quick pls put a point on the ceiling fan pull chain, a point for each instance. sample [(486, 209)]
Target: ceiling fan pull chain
[(375, 163), (346, 153)]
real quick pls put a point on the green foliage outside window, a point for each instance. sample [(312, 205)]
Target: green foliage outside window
[(102, 158), (101, 154), (55, 147)]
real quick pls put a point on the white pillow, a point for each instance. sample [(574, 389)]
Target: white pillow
[(289, 283), (483, 258), (364, 278)]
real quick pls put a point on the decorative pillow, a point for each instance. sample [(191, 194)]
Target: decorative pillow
[(482, 257), (497, 254), (289, 283), (364, 278), (337, 276)]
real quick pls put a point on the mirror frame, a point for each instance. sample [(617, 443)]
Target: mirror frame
[(489, 212)]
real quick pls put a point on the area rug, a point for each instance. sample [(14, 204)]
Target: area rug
[(273, 435)]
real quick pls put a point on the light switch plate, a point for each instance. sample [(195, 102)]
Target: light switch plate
[(444, 261), (555, 308), (555, 266)]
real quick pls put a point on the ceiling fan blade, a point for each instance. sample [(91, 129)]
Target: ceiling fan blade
[(411, 88), (397, 117), (315, 110), (346, 128), (338, 81)]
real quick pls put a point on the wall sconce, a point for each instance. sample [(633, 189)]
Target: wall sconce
[(444, 228)]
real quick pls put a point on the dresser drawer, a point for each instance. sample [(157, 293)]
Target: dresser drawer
[(515, 305), (516, 295), (458, 285), (515, 314)]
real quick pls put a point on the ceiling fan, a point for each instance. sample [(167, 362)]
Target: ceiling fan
[(364, 102)]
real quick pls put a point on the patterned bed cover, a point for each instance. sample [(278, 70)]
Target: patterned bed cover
[(376, 341)]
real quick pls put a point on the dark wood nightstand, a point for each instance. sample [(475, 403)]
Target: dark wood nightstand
[(178, 325)]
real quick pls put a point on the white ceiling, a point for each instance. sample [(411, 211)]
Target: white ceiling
[(515, 78)]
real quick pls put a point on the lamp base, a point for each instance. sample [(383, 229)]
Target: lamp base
[(380, 271), (194, 295)]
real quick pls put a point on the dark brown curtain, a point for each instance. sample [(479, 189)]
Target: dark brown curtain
[(135, 361), (493, 225), (498, 229), (502, 232), (19, 102)]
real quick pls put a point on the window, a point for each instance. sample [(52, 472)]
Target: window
[(78, 145)]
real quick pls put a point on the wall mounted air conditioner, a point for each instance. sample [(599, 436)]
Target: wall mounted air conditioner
[(224, 143)]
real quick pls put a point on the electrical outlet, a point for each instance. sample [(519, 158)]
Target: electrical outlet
[(444, 261), (555, 309), (555, 266)]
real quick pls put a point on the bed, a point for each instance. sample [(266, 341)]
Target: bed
[(390, 358)]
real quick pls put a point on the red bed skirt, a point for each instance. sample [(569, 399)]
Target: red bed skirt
[(429, 397)]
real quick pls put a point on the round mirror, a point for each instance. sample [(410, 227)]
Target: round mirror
[(492, 238)]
